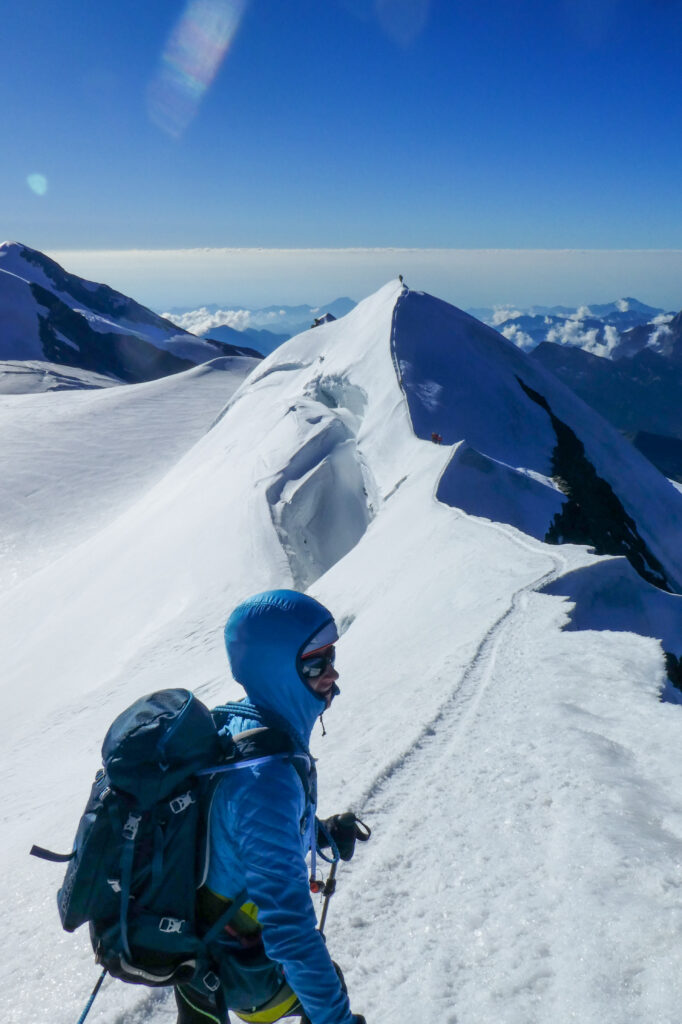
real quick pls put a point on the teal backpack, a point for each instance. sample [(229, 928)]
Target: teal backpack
[(141, 850)]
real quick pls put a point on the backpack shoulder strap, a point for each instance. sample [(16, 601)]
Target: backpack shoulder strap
[(268, 741), (261, 742)]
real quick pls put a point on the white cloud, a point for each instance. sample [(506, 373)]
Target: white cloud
[(658, 337), (572, 332), (518, 337), (198, 321), (503, 313), (611, 339)]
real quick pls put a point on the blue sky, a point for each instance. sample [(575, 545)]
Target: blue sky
[(336, 123)]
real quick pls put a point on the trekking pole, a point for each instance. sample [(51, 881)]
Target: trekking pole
[(88, 1005), (328, 892), (362, 833)]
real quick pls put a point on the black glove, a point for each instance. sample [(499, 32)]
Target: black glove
[(359, 1019), (345, 829)]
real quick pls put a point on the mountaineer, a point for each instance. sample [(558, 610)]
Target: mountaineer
[(274, 961)]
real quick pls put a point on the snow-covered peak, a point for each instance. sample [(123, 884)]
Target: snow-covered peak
[(29, 264)]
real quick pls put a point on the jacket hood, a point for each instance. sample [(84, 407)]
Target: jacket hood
[(265, 637)]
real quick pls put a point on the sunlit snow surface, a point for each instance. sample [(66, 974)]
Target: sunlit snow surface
[(29, 376), (522, 780), (70, 462)]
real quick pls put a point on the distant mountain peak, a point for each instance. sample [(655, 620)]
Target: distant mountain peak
[(47, 313)]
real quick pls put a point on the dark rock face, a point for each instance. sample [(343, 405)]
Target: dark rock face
[(593, 514), (326, 318), (673, 666), (638, 393), (122, 355)]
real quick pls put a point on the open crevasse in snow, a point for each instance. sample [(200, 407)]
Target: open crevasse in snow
[(521, 778)]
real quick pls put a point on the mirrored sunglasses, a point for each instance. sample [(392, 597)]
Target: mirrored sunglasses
[(317, 664)]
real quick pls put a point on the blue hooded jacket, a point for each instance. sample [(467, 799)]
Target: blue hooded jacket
[(261, 822)]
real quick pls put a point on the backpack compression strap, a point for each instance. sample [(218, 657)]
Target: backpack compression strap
[(225, 918), (57, 858)]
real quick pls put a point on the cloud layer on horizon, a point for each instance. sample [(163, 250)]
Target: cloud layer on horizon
[(238, 278)]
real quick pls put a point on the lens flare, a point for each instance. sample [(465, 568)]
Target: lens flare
[(193, 53), (37, 183)]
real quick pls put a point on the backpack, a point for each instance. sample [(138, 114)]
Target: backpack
[(141, 848)]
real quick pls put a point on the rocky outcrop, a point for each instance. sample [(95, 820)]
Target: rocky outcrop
[(593, 513)]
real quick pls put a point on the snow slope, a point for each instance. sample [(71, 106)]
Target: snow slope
[(464, 381), (520, 778), (72, 461), (26, 377)]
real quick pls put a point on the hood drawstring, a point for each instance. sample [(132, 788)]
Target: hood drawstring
[(324, 731)]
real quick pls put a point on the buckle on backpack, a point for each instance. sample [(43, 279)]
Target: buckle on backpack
[(211, 981), (131, 826), (171, 925), (181, 803)]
